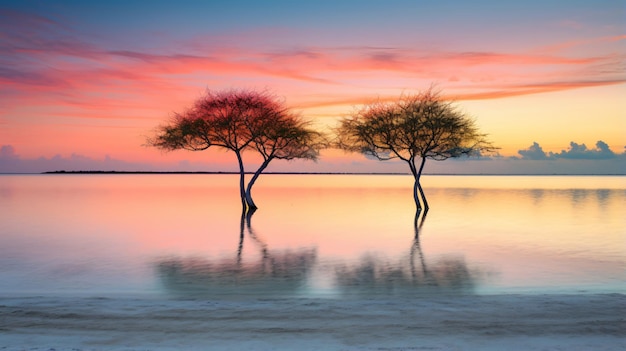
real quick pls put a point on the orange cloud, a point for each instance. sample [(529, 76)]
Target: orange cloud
[(528, 89), (486, 94)]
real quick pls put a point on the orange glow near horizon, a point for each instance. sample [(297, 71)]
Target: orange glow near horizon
[(512, 123)]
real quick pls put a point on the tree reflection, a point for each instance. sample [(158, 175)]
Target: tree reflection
[(255, 270), (273, 273), (374, 275)]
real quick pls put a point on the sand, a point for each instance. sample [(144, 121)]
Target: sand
[(467, 322)]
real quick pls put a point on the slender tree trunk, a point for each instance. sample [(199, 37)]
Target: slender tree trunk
[(416, 221), (411, 163), (242, 180), (249, 214), (419, 186), (256, 175)]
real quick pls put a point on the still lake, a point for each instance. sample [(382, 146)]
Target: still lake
[(182, 235)]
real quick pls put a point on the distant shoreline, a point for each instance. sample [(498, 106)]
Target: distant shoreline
[(207, 172), (316, 173)]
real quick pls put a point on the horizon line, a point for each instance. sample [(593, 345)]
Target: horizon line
[(61, 172)]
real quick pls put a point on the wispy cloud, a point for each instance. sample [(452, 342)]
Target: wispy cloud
[(527, 89), (51, 56), (562, 46)]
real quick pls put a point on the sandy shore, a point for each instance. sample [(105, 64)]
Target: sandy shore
[(502, 322)]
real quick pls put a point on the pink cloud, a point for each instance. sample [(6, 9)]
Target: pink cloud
[(45, 64), (582, 42)]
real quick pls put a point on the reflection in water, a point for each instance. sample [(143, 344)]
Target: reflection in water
[(274, 273), (290, 272), (281, 273), (603, 196), (377, 276), (111, 229)]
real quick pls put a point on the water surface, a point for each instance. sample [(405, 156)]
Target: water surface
[(313, 235)]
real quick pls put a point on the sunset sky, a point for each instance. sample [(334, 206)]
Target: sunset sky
[(83, 83)]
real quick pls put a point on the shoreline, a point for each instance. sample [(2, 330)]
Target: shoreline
[(96, 172), (455, 322)]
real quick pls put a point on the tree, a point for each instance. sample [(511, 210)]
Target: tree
[(413, 128), (240, 120)]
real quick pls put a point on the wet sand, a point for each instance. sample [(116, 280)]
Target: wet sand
[(500, 322)]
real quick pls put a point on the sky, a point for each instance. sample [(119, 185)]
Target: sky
[(82, 84)]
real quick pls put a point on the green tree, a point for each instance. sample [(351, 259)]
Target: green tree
[(238, 121), (413, 128)]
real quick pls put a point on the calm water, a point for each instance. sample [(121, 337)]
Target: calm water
[(314, 235)]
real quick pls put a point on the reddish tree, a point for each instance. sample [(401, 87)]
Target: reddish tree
[(241, 120)]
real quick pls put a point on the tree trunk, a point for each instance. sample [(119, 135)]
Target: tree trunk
[(242, 180), (419, 186), (415, 186), (256, 175), (417, 189), (416, 221)]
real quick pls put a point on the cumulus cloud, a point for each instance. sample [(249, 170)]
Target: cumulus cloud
[(576, 152), (7, 152), (534, 152), (580, 151), (578, 159), (11, 162)]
